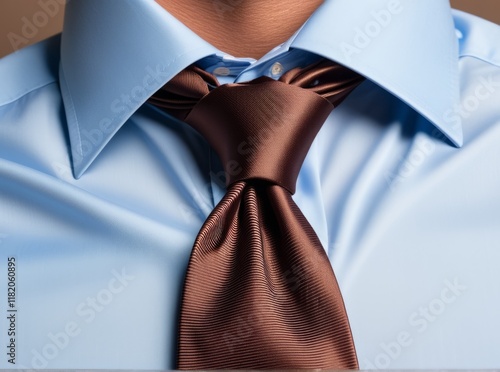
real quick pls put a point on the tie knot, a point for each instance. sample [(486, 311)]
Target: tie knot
[(261, 130)]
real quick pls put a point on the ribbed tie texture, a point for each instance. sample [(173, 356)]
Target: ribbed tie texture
[(260, 292)]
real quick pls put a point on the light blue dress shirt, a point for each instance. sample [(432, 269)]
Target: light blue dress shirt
[(101, 195)]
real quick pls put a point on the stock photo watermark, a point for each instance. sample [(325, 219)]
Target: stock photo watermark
[(30, 26), (483, 91), (418, 322), (485, 88), (364, 35), (85, 313), (424, 147), (12, 315), (119, 107)]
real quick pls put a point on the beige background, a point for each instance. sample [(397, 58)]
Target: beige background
[(14, 13)]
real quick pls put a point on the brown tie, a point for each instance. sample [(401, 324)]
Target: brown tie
[(260, 292)]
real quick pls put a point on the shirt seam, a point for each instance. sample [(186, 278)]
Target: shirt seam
[(488, 61), (25, 93), (69, 96)]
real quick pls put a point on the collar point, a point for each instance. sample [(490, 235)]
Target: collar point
[(458, 143), (79, 168), (81, 162), (453, 133)]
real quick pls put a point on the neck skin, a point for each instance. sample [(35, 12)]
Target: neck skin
[(242, 28)]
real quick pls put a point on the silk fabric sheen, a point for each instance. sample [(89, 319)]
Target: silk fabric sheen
[(260, 292)]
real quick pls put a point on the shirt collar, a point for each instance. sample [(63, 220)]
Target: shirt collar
[(117, 53), (410, 48), (114, 55)]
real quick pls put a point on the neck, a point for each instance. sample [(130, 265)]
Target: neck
[(242, 28)]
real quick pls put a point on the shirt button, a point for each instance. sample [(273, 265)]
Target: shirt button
[(222, 71), (276, 69)]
